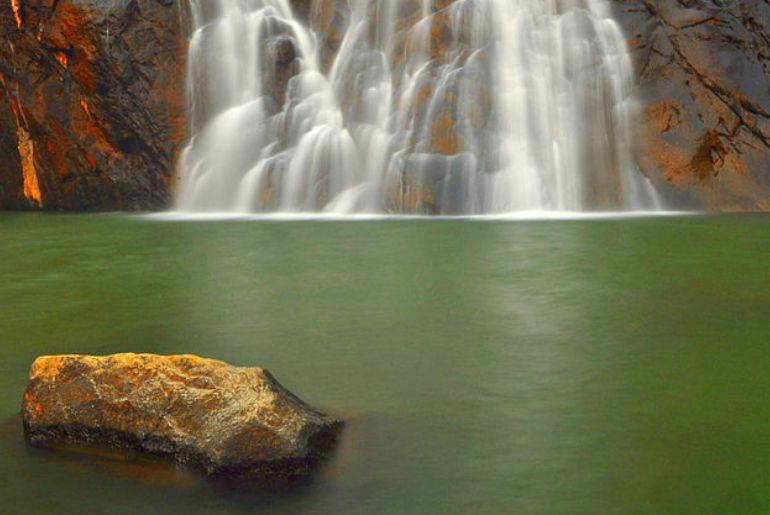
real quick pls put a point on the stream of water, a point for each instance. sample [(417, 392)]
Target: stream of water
[(460, 107)]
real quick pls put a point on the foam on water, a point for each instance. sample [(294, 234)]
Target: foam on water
[(518, 216)]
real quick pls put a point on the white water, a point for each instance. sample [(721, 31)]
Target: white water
[(522, 106)]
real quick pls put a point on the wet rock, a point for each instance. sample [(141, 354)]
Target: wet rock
[(279, 66), (329, 19), (703, 68), (225, 419), (434, 184), (91, 103), (92, 95)]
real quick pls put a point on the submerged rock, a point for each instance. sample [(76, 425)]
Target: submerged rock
[(228, 420)]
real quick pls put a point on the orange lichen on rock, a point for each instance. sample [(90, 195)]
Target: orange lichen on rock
[(408, 196), (62, 58), (86, 110), (175, 104), (26, 148), (710, 156), (74, 29), (46, 369), (199, 410), (444, 135), (673, 162), (440, 35), (16, 8), (27, 154), (664, 116), (96, 140), (57, 152), (30, 400)]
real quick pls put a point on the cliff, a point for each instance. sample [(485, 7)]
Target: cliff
[(92, 100), (703, 68), (91, 103)]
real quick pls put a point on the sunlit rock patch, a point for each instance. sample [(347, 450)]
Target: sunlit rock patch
[(225, 419)]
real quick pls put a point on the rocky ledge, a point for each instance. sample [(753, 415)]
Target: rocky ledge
[(228, 420)]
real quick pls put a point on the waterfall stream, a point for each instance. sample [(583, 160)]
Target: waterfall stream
[(409, 106)]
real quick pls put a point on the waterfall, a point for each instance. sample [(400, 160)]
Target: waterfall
[(409, 106)]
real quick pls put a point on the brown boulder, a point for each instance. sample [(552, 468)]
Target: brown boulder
[(200, 411)]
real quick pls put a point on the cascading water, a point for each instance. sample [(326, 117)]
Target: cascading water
[(409, 106)]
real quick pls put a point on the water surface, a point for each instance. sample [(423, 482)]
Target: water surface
[(586, 366)]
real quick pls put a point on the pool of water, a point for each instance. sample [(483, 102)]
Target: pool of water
[(561, 366)]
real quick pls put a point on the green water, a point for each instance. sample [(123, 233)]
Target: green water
[(605, 366)]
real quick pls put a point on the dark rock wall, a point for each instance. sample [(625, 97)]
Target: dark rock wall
[(92, 100), (91, 103), (704, 85)]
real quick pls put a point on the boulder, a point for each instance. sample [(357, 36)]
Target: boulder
[(227, 420)]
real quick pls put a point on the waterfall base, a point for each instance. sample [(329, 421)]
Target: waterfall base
[(400, 106)]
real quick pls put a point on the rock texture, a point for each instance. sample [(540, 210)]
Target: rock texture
[(91, 103), (329, 19), (704, 87), (205, 412)]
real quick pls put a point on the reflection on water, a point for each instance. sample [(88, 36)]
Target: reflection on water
[(123, 464), (563, 366)]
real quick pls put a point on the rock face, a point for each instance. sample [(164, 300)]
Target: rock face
[(205, 412), (704, 84), (92, 99), (91, 103), (329, 19)]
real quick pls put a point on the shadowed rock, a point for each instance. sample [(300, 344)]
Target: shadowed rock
[(228, 420), (703, 70)]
